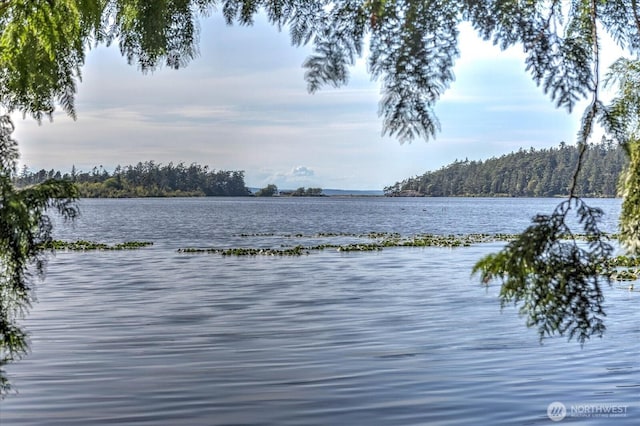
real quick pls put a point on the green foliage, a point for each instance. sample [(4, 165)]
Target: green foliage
[(624, 122), (82, 245), (152, 33), (43, 44), (42, 47), (373, 241), (25, 229), (630, 190), (268, 191), (526, 173), (557, 280), (307, 192)]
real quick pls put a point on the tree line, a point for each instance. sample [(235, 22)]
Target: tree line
[(272, 190), (525, 173), (148, 179), (304, 192)]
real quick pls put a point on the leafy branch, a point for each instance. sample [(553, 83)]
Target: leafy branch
[(556, 279), (25, 229)]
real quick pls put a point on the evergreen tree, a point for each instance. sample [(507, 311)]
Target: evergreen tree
[(24, 229), (268, 191)]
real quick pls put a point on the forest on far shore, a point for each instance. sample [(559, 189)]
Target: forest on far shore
[(525, 173), (148, 179)]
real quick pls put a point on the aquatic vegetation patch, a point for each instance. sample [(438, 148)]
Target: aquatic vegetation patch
[(620, 268), (240, 251), (84, 245), (372, 241), (625, 261), (624, 275), (429, 240), (370, 235), (359, 247)]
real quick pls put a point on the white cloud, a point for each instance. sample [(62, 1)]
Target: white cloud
[(296, 177), (302, 171)]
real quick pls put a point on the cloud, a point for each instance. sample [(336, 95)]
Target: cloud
[(302, 171), (295, 177)]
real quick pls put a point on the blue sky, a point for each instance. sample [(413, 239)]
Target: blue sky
[(243, 105)]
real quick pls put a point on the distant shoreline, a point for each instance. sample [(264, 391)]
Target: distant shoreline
[(339, 196)]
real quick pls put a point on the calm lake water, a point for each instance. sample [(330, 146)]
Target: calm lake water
[(404, 336)]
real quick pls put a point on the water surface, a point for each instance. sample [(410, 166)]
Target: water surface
[(404, 336)]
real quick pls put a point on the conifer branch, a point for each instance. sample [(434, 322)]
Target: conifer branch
[(593, 109), (636, 16)]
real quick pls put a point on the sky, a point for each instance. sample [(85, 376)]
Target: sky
[(242, 104)]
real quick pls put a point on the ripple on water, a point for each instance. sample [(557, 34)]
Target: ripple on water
[(402, 336)]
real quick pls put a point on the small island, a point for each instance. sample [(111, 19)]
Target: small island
[(271, 190)]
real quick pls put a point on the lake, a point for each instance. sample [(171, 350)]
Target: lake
[(402, 336)]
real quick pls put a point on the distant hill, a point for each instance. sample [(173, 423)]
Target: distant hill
[(352, 192), (525, 173)]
